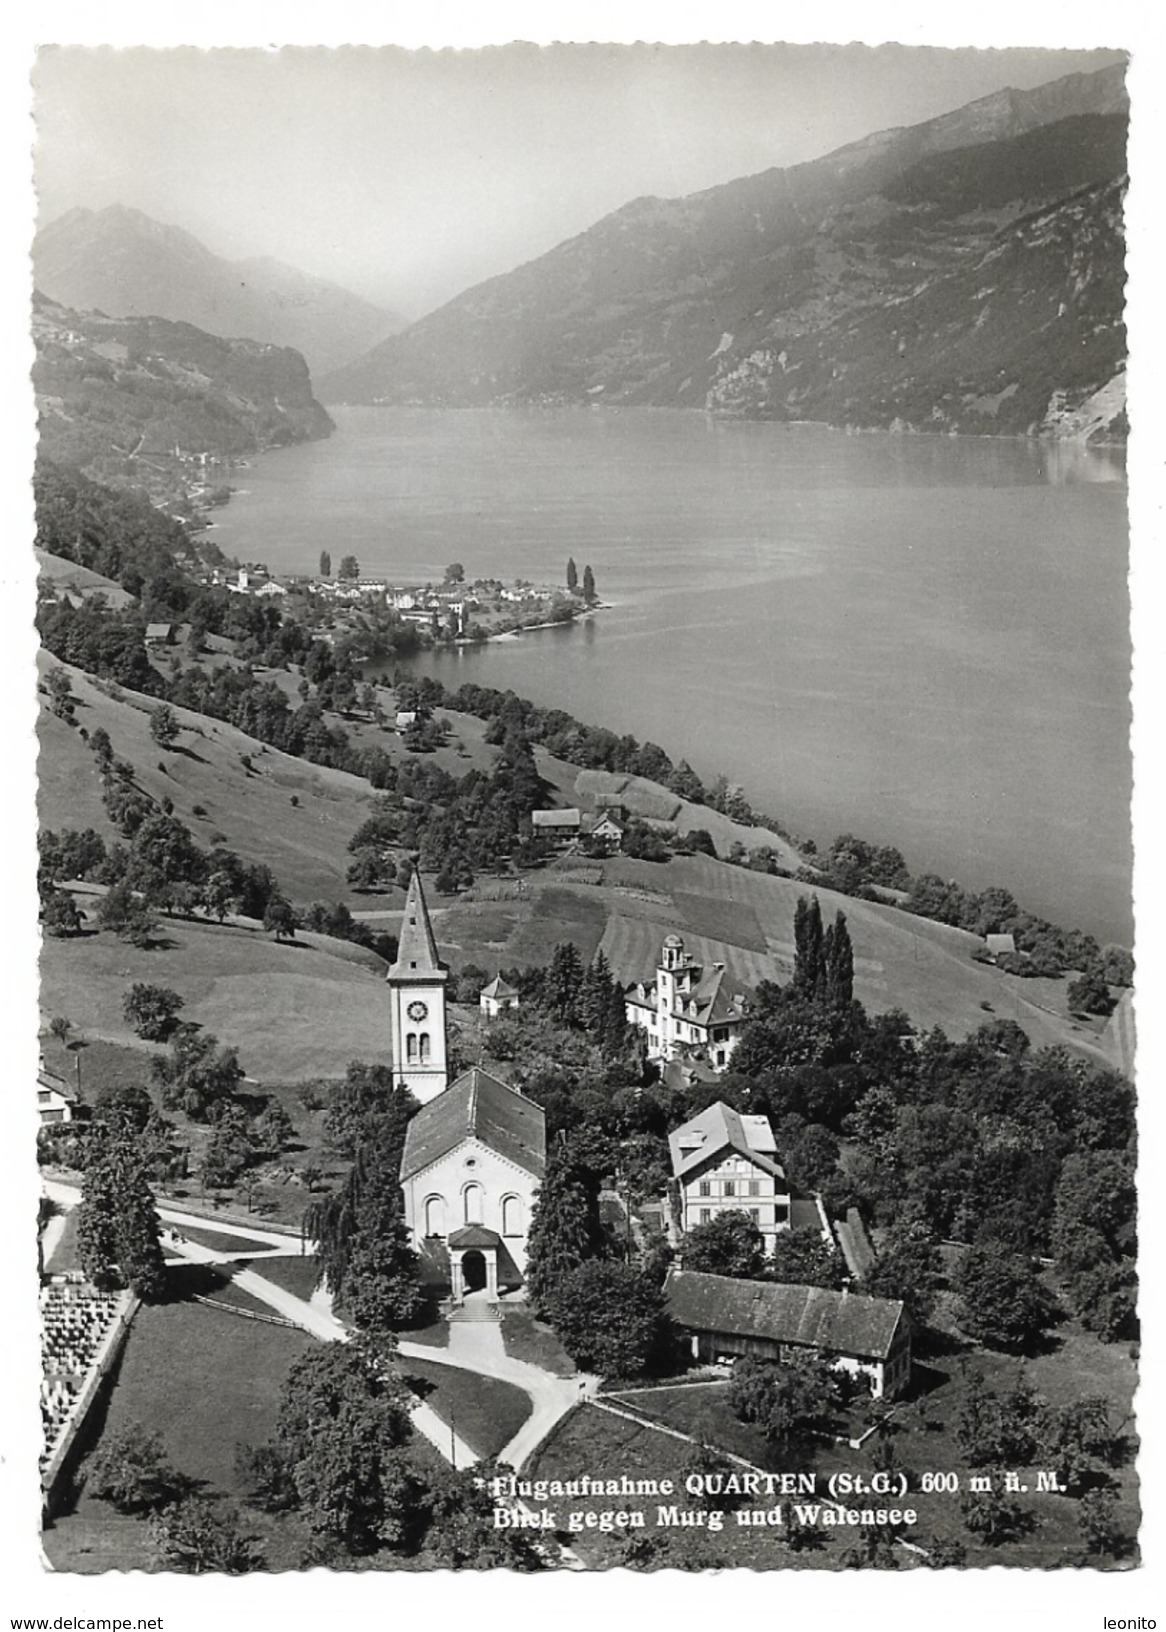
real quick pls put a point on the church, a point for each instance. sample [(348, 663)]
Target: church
[(475, 1152)]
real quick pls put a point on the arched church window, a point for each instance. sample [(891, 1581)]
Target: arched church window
[(435, 1215), (472, 1196), (424, 1040), (411, 1048), (512, 1215)]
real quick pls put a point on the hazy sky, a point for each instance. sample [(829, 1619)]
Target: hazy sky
[(408, 176)]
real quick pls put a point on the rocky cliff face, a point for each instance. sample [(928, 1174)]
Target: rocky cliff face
[(965, 274), (140, 401), (123, 262)]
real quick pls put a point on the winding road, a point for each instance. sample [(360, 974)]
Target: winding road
[(474, 1345)]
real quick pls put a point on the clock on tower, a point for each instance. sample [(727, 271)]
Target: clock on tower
[(417, 1002)]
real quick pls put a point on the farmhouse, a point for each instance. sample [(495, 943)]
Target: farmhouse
[(866, 1337), (56, 1100), (688, 1010), (605, 831), (470, 1172), (725, 1162), (559, 825)]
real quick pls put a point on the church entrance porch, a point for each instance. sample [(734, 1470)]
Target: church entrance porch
[(473, 1262), (473, 1272)]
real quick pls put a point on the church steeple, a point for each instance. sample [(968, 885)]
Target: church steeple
[(417, 948), (416, 983)]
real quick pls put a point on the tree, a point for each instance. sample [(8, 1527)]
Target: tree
[(572, 574), (164, 726), (729, 1244), (125, 1104), (838, 959), (279, 919), (272, 1129), (382, 1286), (218, 893), (1094, 1238), (1001, 1428), (228, 1154), (994, 1517), (461, 1533), (1075, 1438), (59, 1027), (809, 949), (152, 1011), (1003, 1301), (198, 1076), (60, 690), (342, 1425), (909, 1267), (455, 573), (127, 916), (1089, 994), (563, 1228), (790, 1403), (325, 564), (608, 1316), (59, 913), (132, 1472), (563, 983), (589, 594), (1098, 1522), (349, 568), (117, 1226), (802, 1257), (199, 1537)]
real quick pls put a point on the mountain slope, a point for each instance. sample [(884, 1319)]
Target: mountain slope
[(123, 262), (139, 402), (851, 289)]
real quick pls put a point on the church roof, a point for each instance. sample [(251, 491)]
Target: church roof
[(416, 949), (477, 1106)]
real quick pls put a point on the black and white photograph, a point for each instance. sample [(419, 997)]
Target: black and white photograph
[(584, 950)]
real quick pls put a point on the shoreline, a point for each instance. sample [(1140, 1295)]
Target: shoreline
[(811, 815)]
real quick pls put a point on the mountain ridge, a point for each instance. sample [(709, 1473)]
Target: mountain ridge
[(124, 263), (143, 402), (667, 301)]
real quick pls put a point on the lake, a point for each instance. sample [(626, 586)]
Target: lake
[(921, 640)]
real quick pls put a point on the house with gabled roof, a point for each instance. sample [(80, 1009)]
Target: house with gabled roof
[(690, 1008), (724, 1318), (724, 1162), (497, 998), (560, 826), (470, 1171)]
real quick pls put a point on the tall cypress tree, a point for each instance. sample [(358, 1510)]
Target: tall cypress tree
[(572, 574), (563, 983), (839, 965), (588, 584), (562, 1227), (117, 1228), (809, 948)]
